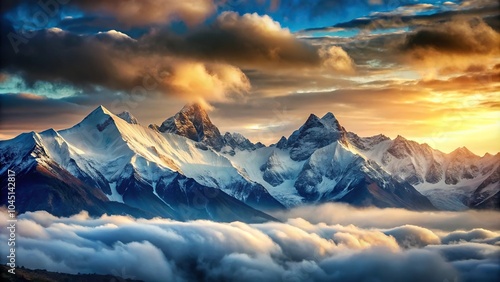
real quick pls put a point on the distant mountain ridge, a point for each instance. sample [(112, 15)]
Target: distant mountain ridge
[(453, 181), (186, 169)]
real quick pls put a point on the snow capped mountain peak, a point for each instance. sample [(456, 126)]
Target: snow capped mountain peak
[(330, 120), (312, 121), (319, 162), (101, 118), (366, 143), (328, 116), (314, 134), (193, 108), (400, 138), (101, 109), (128, 117), (193, 122), (236, 137), (98, 115), (463, 152), (238, 141), (282, 143), (49, 132)]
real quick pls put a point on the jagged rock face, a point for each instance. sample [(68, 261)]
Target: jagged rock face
[(367, 142), (272, 170), (128, 117), (433, 172), (461, 165), (333, 173), (404, 159), (282, 143), (110, 164), (400, 148), (487, 194), (193, 122), (238, 141), (135, 169), (314, 134)]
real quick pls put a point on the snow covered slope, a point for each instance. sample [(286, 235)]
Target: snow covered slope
[(449, 180), (186, 168), (126, 161), (315, 164)]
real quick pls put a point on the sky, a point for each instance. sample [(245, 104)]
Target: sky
[(425, 70)]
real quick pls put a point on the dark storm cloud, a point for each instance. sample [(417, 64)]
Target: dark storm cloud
[(296, 250)]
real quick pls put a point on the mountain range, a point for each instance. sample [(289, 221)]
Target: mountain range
[(186, 169)]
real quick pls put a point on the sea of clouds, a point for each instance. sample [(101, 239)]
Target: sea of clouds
[(330, 242)]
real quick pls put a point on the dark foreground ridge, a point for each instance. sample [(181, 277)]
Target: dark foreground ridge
[(38, 275)]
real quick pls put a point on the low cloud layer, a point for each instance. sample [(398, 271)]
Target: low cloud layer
[(324, 249)]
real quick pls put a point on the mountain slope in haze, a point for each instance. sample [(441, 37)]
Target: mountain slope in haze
[(115, 160), (453, 181)]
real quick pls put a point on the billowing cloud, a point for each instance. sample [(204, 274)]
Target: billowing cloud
[(251, 41), (336, 58), (205, 64), (293, 250), (410, 236), (474, 235), (456, 44), (456, 37), (115, 61)]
